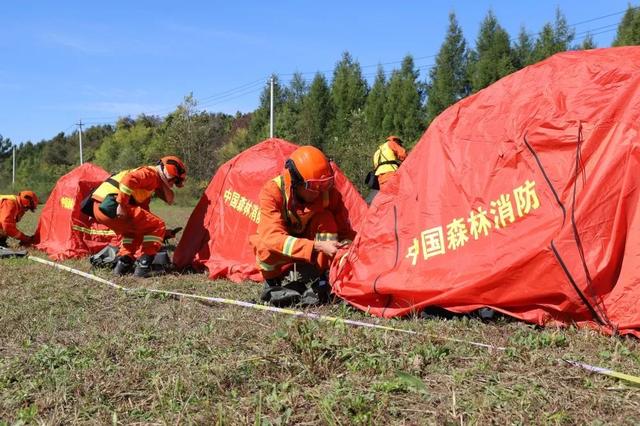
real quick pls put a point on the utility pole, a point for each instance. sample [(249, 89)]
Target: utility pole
[(13, 179), (80, 134), (271, 120)]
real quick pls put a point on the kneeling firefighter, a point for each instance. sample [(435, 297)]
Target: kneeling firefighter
[(122, 204), (302, 218), (12, 208)]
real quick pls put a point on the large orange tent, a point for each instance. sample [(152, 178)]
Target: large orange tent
[(216, 236), (523, 197), (65, 232)]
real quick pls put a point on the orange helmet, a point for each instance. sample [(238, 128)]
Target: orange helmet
[(308, 166), (175, 169), (394, 139), (28, 200)]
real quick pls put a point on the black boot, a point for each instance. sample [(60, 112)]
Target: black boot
[(123, 266), (281, 292), (143, 266)]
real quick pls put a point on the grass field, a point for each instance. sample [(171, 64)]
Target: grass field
[(75, 351)]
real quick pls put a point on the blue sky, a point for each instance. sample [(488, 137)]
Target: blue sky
[(65, 61)]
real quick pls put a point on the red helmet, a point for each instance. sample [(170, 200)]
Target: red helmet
[(309, 166), (28, 200), (175, 169)]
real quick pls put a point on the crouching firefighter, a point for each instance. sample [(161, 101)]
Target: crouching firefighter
[(121, 203), (302, 218), (12, 208)]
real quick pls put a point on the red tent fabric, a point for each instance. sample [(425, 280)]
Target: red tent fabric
[(523, 198), (65, 232), (217, 234)]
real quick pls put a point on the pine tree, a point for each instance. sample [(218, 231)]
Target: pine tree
[(553, 38), (287, 119), (523, 49), (448, 79), (403, 110), (629, 29), (5, 147), (374, 105), (348, 92), (587, 43), (316, 113), (492, 58)]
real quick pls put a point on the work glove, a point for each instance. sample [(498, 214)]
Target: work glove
[(171, 233)]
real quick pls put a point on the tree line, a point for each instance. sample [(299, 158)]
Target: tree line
[(343, 115)]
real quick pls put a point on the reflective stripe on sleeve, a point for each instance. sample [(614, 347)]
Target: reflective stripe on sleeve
[(151, 239), (124, 188), (287, 248), (326, 236)]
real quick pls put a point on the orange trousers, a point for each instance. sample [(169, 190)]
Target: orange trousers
[(321, 226), (141, 227)]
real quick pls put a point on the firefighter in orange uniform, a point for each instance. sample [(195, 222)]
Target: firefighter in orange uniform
[(12, 208), (122, 204), (388, 158), (302, 219)]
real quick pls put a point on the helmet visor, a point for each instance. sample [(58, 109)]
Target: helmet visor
[(319, 185), (179, 181)]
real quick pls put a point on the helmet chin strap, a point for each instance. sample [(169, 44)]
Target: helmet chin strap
[(163, 174)]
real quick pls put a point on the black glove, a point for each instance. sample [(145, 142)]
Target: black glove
[(171, 233)]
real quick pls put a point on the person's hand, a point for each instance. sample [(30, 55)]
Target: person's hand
[(121, 211), (327, 247)]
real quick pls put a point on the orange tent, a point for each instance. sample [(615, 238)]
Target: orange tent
[(524, 198), (65, 232), (216, 236)]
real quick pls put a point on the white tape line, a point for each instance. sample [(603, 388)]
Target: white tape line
[(292, 312)]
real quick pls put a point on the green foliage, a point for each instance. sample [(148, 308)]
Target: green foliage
[(5, 148), (403, 114), (523, 49), (192, 135), (538, 340), (239, 142), (492, 58), (553, 38), (375, 103), (348, 92), (587, 43), (126, 147), (342, 116), (353, 151), (628, 33), (448, 78), (286, 121), (316, 113)]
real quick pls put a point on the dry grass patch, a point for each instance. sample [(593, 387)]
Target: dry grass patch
[(75, 351)]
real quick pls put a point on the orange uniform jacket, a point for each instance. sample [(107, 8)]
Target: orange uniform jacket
[(401, 153), (139, 226), (276, 234), (10, 214), (140, 184)]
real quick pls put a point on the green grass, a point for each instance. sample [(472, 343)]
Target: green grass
[(75, 351)]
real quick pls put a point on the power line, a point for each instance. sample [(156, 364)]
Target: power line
[(258, 85)]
